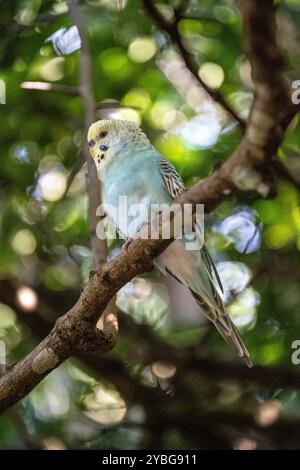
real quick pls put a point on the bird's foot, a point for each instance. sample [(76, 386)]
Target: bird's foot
[(91, 273), (126, 245)]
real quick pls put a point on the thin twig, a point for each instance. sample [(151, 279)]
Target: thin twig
[(99, 247), (200, 18), (282, 172), (46, 86), (73, 173), (29, 441)]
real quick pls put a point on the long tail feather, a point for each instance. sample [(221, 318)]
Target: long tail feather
[(223, 323)]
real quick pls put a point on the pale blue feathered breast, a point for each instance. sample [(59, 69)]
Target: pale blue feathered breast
[(134, 174), (137, 175)]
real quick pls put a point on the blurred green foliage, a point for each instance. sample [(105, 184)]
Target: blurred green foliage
[(44, 234)]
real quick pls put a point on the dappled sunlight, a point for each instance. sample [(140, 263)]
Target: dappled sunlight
[(142, 49), (137, 97), (211, 74), (159, 111), (245, 443), (7, 316), (203, 130), (24, 242), (163, 370), (243, 309), (242, 299), (25, 152), (53, 403), (104, 406), (127, 115), (53, 69), (173, 121), (59, 277), (52, 443), (242, 229), (268, 413), (235, 276), (115, 63), (110, 4), (27, 12), (146, 300), (52, 185), (27, 298)]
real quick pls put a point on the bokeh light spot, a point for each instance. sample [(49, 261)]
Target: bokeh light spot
[(138, 98), (163, 370), (212, 74), (115, 63), (52, 185), (225, 14), (27, 298), (7, 316), (104, 406), (127, 114), (278, 235), (53, 69), (245, 443), (235, 276), (147, 301), (243, 309), (142, 49), (24, 242), (159, 111), (268, 413)]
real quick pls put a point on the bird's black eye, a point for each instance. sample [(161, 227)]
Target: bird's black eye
[(103, 134)]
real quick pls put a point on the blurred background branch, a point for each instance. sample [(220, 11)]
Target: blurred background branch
[(171, 28), (45, 86), (99, 247)]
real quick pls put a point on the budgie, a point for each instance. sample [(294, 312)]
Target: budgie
[(130, 166)]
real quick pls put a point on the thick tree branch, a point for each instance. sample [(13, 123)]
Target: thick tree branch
[(245, 170), (271, 88)]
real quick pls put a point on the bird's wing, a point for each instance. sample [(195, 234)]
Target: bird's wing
[(212, 307), (170, 176), (175, 187)]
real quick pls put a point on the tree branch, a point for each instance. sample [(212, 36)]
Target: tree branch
[(283, 172), (99, 247), (46, 86), (154, 349), (172, 30)]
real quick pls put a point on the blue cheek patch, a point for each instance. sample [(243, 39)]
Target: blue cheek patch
[(103, 148)]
